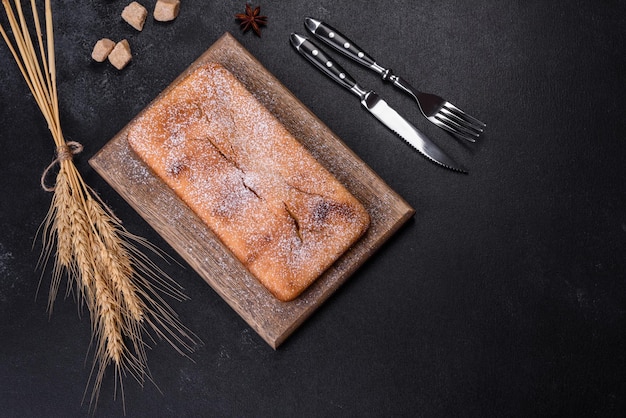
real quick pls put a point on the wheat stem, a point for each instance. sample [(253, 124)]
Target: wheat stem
[(117, 282)]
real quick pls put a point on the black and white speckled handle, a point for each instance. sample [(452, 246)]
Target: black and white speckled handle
[(324, 63), (341, 43)]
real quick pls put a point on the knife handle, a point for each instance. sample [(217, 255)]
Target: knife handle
[(341, 43), (324, 63)]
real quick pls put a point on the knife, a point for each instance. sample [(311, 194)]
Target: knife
[(374, 104)]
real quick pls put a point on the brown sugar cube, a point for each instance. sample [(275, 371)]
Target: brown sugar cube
[(102, 49), (120, 56), (135, 15), (166, 10)]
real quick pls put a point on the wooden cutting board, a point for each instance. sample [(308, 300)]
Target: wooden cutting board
[(273, 320)]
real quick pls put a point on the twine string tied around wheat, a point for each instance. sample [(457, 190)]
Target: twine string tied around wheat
[(65, 152)]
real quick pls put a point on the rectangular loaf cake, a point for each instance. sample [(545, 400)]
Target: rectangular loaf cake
[(279, 211)]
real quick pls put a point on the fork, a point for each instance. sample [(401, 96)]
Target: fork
[(436, 109)]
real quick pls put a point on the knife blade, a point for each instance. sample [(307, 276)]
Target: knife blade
[(372, 102)]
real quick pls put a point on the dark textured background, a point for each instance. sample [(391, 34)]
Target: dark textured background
[(504, 296)]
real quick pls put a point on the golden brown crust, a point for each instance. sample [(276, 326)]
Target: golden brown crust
[(282, 214)]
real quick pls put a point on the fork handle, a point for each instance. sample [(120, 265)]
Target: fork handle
[(323, 62), (341, 43)]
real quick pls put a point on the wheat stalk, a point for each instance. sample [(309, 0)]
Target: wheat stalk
[(104, 265)]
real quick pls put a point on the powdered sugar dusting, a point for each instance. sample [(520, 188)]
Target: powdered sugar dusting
[(283, 215)]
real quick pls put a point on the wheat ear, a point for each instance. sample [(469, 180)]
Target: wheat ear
[(118, 283)]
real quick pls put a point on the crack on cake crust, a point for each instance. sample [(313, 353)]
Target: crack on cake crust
[(228, 158), (247, 186), (295, 221), (306, 192)]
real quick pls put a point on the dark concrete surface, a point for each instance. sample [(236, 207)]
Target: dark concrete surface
[(504, 296)]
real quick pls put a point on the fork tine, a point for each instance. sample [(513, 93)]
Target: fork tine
[(458, 120), (457, 124), (471, 137), (464, 115)]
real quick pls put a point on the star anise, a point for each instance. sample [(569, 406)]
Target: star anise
[(252, 19)]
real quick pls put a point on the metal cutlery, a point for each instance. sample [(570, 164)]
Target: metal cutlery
[(436, 109), (374, 104)]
